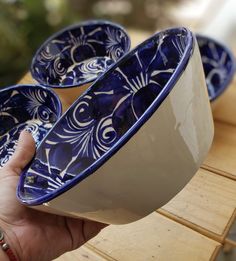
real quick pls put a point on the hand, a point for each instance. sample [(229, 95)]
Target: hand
[(34, 235)]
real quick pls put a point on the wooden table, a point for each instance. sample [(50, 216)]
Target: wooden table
[(192, 226)]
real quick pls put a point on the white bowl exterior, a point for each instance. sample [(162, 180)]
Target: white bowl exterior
[(155, 164)]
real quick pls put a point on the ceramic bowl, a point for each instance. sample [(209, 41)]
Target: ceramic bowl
[(33, 108), (131, 141), (218, 63), (77, 55)]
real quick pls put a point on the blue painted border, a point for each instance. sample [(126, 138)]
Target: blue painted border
[(131, 132), (71, 27), (233, 69)]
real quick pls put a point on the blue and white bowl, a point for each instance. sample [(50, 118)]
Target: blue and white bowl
[(218, 63), (131, 141), (77, 55), (23, 107)]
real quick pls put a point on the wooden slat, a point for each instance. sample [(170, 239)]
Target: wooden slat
[(27, 79), (226, 106), (155, 238), (222, 156), (84, 253), (207, 204)]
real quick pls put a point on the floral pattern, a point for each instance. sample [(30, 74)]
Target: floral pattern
[(24, 107), (79, 54), (104, 114)]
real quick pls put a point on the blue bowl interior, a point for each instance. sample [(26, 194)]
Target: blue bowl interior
[(25, 107), (79, 54), (106, 116), (218, 64)]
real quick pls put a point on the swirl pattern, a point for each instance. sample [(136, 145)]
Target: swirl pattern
[(101, 117), (25, 107), (79, 54), (218, 65), (87, 70)]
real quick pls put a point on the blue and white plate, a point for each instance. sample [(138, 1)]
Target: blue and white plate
[(218, 64), (23, 107), (79, 54)]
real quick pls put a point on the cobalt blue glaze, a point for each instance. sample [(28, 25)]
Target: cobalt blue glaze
[(33, 108), (79, 54), (218, 64), (106, 116)]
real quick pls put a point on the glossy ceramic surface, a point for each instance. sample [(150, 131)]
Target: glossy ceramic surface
[(23, 107), (127, 131), (218, 63), (79, 54)]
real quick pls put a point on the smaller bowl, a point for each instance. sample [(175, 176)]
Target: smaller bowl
[(78, 54), (33, 108), (218, 64)]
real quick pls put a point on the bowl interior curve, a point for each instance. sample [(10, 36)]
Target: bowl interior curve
[(79, 54), (23, 107), (102, 119), (218, 64)]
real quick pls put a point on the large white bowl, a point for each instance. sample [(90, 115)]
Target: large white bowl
[(132, 141)]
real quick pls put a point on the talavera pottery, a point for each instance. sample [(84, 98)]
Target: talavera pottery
[(23, 107), (131, 141), (77, 55), (219, 66)]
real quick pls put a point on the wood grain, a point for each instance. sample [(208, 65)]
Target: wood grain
[(152, 238), (84, 253), (222, 156), (207, 204)]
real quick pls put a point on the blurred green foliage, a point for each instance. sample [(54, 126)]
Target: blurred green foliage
[(23, 27), (25, 24)]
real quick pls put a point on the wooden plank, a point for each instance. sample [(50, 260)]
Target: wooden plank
[(84, 253), (155, 238), (222, 156), (225, 108), (207, 204), (27, 79)]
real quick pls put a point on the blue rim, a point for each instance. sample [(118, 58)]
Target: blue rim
[(131, 132), (16, 86), (71, 27), (232, 71)]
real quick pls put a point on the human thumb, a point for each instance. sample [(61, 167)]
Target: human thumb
[(24, 153)]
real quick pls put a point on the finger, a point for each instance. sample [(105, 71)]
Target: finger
[(91, 229), (81, 231), (24, 153)]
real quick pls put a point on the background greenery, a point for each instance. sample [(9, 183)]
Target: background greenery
[(25, 24)]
